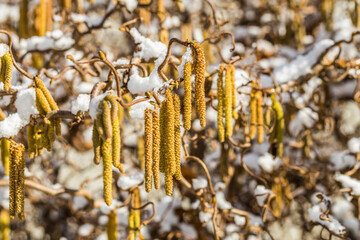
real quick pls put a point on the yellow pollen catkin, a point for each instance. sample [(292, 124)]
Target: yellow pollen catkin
[(253, 114), (38, 141), (16, 180), (267, 118), (106, 117), (279, 125), (97, 144), (259, 117), (111, 227), (177, 140), (107, 170), (5, 225), (31, 141), (42, 101), (100, 126), (5, 154), (135, 220), (200, 68), (148, 149), (163, 130), (187, 96), (170, 134), (228, 103), (220, 107), (7, 64), (156, 148), (40, 84)]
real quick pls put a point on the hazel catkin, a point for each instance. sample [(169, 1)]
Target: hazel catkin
[(228, 103), (177, 136), (220, 107), (148, 149), (156, 148), (200, 68), (187, 96)]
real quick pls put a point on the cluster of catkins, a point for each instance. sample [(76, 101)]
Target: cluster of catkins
[(107, 142), (42, 135), (162, 135), (6, 69), (226, 101)]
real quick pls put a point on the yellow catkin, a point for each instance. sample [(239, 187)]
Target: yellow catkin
[(111, 227), (31, 141), (163, 119), (267, 118), (148, 149), (137, 204), (40, 84), (116, 141), (131, 226), (7, 64), (177, 140), (24, 19), (279, 126), (259, 117), (187, 96), (220, 107), (107, 170), (234, 101), (169, 143), (51, 131), (2, 70), (96, 144), (5, 225), (106, 117), (5, 144), (16, 180), (44, 104), (200, 67), (228, 103), (100, 126), (156, 148), (120, 114), (253, 114)]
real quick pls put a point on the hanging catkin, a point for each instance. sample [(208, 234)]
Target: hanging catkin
[(5, 144), (279, 125), (259, 117), (4, 225), (148, 149), (97, 144), (7, 65), (232, 74), (228, 103), (220, 107), (106, 117), (16, 180), (111, 227), (156, 148), (253, 113), (177, 140), (170, 166), (200, 66), (187, 95), (163, 119), (107, 170)]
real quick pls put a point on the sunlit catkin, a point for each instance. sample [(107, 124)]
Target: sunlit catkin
[(169, 144), (200, 66), (4, 225), (134, 226), (259, 117), (232, 73), (16, 180), (279, 125), (7, 64), (106, 117), (177, 140), (163, 119), (156, 148), (228, 103), (220, 107), (42, 101), (5, 154), (107, 170), (253, 114), (40, 84), (148, 149), (111, 227), (187, 96)]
